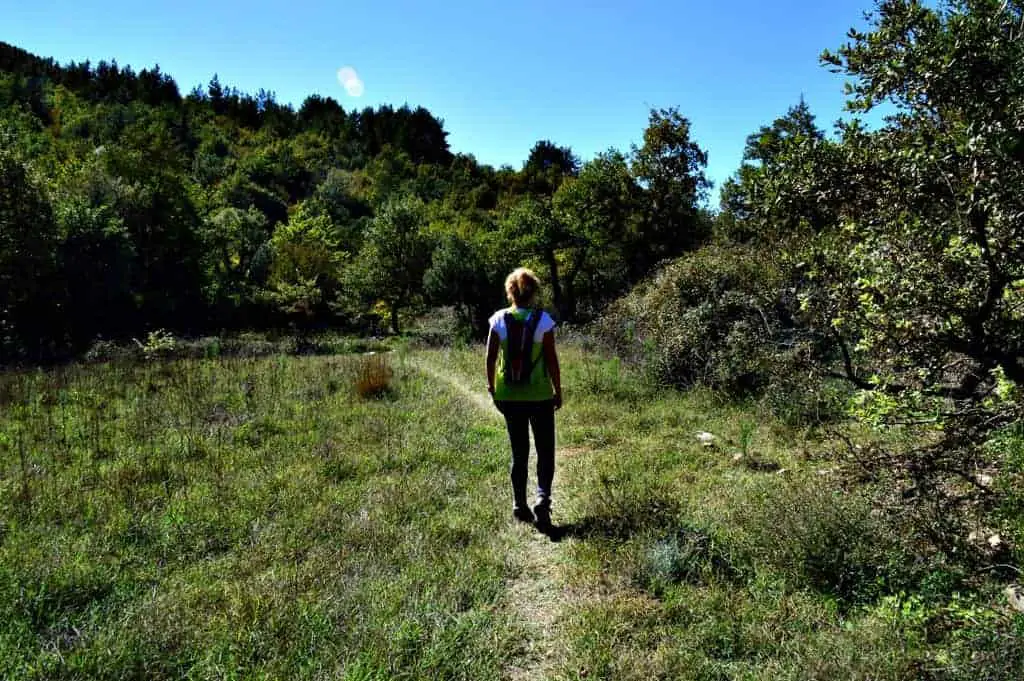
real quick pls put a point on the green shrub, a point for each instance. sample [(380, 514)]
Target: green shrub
[(158, 344), (687, 556), (802, 397), (706, 318), (723, 317), (1007, 450), (608, 378), (628, 505), (984, 644), (828, 538), (110, 351), (441, 327)]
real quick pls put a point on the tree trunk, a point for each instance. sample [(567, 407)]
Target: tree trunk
[(394, 317), (556, 287), (569, 300)]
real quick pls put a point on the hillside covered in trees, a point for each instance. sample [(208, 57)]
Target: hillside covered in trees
[(129, 206)]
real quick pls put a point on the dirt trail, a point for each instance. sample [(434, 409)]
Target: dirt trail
[(481, 400), (536, 595)]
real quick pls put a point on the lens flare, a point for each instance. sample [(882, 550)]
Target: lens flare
[(346, 74), (349, 79), (355, 88)]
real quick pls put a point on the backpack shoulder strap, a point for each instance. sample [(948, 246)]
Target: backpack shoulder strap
[(534, 321), (510, 322), (531, 329)]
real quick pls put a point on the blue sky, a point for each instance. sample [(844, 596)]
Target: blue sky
[(501, 75)]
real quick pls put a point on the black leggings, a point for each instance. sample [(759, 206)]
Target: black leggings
[(520, 417)]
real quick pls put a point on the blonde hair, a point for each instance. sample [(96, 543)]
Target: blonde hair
[(522, 287)]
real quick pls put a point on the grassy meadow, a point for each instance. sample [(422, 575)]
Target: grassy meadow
[(222, 519), (347, 517)]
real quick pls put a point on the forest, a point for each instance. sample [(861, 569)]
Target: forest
[(844, 271), (130, 207)]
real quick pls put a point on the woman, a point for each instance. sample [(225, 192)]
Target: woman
[(524, 380)]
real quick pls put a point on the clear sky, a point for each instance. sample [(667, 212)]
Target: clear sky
[(502, 75)]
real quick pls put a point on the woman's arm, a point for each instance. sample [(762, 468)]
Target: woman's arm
[(493, 346), (551, 359)]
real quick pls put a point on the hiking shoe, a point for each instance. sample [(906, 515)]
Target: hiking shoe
[(523, 514), (542, 509)]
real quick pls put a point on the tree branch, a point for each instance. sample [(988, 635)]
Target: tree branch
[(851, 373)]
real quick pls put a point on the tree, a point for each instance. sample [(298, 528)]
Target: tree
[(165, 205), (95, 258), (151, 199), (306, 265), (604, 247), (780, 182), (923, 284), (939, 243), (530, 228), (394, 257), (337, 198), (28, 241), (460, 275), (547, 166), (232, 238), (670, 166), (215, 93), (322, 114)]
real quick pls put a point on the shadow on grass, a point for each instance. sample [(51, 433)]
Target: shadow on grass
[(662, 556), (618, 523), (556, 533)]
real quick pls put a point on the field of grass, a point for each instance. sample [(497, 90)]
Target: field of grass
[(248, 519), (260, 519), (751, 558)]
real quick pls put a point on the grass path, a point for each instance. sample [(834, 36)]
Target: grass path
[(478, 399), (537, 594)]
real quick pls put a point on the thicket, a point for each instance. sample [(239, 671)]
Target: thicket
[(127, 207), (885, 266), (726, 317)]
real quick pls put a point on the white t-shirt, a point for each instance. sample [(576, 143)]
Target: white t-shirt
[(497, 322)]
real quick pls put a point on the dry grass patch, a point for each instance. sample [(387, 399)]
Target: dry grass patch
[(373, 380)]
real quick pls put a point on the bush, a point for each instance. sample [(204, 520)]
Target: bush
[(688, 556), (721, 317), (803, 397), (708, 318), (441, 327), (161, 345), (624, 506), (110, 351), (985, 644), (1006, 449), (608, 378)]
